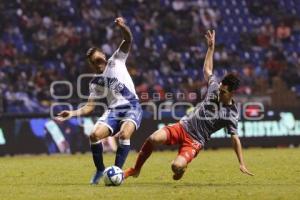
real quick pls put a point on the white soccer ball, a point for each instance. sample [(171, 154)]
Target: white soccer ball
[(113, 176)]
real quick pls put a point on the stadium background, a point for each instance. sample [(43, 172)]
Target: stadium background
[(41, 43)]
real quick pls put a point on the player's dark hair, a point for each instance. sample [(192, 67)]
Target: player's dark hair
[(91, 51), (232, 81)]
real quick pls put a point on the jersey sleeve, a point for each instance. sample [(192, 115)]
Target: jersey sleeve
[(213, 88), (120, 55), (232, 127)]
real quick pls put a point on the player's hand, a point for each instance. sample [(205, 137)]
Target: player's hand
[(245, 170), (120, 21), (210, 38), (63, 115)]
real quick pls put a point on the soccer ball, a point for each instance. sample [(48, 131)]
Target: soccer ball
[(113, 176)]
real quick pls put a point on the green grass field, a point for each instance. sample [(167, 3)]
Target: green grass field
[(212, 175)]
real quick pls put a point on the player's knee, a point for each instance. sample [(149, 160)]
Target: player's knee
[(152, 139), (156, 138), (123, 135), (93, 137)]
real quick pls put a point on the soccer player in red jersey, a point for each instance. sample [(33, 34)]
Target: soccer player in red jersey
[(218, 110)]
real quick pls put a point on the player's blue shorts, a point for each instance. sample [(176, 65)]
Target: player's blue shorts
[(114, 117)]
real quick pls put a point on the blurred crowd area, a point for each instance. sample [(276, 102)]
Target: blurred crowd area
[(46, 41)]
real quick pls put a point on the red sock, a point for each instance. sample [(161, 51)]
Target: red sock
[(144, 154)]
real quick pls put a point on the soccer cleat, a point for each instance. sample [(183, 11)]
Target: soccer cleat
[(131, 172), (95, 179), (178, 176)]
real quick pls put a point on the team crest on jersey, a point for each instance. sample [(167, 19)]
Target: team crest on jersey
[(223, 114), (102, 81)]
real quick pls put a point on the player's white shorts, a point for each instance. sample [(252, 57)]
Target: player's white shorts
[(114, 117)]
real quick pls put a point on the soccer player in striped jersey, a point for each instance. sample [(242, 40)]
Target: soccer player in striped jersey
[(218, 110), (124, 112)]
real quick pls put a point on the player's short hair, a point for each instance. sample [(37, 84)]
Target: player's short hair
[(232, 81), (91, 51)]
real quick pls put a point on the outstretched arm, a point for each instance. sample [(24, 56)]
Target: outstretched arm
[(84, 110), (208, 62), (236, 143), (127, 35)]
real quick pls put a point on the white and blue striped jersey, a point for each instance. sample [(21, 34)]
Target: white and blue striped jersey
[(115, 83)]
